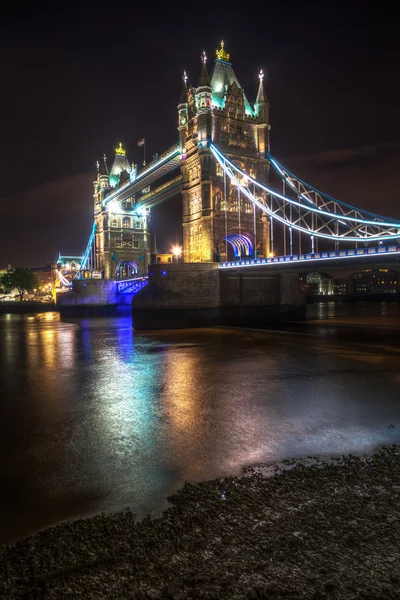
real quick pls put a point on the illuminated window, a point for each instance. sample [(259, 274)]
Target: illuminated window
[(126, 222), (218, 169)]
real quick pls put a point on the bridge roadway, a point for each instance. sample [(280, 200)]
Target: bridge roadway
[(338, 260), (156, 170)]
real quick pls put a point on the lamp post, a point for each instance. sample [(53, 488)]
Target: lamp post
[(176, 253)]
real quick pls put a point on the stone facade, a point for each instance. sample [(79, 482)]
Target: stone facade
[(213, 209)]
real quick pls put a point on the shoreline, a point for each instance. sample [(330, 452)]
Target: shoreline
[(314, 527)]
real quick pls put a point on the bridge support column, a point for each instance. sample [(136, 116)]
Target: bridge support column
[(184, 295), (178, 295)]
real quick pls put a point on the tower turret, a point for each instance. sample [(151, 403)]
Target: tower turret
[(262, 104), (262, 111), (204, 102), (183, 110)]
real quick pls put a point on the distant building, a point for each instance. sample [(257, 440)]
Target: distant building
[(46, 275), (373, 281), (317, 284), (341, 286), (164, 257)]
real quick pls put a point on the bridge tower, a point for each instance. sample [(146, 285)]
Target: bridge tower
[(122, 239), (218, 222)]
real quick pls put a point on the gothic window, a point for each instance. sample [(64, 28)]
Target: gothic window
[(138, 225), (114, 223), (252, 172), (247, 206), (136, 244), (233, 201), (195, 204), (239, 129), (218, 169), (126, 222)]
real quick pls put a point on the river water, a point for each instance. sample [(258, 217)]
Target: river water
[(94, 417)]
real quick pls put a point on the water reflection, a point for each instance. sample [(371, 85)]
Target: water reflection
[(95, 418)]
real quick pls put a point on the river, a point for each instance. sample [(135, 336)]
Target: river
[(94, 417)]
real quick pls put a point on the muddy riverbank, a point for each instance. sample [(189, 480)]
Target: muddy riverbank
[(326, 530)]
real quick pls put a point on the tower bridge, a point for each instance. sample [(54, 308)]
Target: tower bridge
[(241, 208)]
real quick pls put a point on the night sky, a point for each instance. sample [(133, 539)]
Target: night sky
[(77, 80)]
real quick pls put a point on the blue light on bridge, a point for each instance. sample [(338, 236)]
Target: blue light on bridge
[(131, 286), (311, 257)]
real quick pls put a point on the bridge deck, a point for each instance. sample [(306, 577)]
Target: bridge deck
[(164, 165)]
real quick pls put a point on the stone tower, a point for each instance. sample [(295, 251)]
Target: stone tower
[(219, 224), (122, 236)]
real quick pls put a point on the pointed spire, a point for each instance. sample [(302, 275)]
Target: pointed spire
[(104, 168), (204, 80), (97, 167), (184, 93), (261, 97)]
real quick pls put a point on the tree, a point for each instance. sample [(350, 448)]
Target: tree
[(23, 280)]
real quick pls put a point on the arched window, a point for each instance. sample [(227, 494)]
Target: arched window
[(126, 222), (138, 225), (114, 223)]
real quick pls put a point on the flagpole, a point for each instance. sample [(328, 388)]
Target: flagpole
[(144, 152)]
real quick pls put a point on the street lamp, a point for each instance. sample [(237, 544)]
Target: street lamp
[(176, 253)]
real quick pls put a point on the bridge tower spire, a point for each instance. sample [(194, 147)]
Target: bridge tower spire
[(204, 102), (262, 111), (183, 109)]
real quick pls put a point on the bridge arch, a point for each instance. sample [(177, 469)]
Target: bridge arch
[(237, 245), (126, 269)]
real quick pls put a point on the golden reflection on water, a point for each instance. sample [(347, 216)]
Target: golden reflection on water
[(181, 389)]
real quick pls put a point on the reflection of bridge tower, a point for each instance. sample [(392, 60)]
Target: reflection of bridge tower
[(122, 237), (216, 219)]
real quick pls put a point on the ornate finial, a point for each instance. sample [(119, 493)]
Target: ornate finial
[(204, 57), (261, 75), (98, 166), (120, 151), (184, 76), (221, 54)]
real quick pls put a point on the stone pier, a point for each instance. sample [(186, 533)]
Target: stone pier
[(183, 295)]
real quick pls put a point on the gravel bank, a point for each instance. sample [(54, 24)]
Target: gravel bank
[(329, 530)]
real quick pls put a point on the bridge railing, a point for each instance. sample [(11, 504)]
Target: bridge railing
[(314, 256)]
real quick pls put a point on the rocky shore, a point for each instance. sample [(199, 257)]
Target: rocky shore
[(327, 530)]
